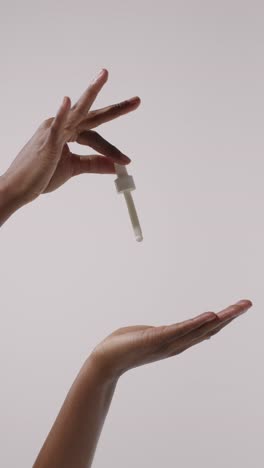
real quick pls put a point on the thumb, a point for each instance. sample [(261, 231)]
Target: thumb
[(93, 164)]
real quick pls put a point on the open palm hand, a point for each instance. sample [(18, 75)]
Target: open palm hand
[(138, 345)]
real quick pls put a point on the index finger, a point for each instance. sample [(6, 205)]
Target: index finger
[(84, 103), (234, 310), (106, 114)]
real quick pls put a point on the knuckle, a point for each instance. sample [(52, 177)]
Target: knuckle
[(81, 113), (78, 113), (211, 314), (69, 127), (119, 105), (73, 135)]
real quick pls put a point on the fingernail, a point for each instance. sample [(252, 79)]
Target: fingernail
[(242, 301), (134, 100), (125, 159), (99, 74), (245, 308), (96, 78)]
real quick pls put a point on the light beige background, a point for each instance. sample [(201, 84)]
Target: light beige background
[(71, 271)]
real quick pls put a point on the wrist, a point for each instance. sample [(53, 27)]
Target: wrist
[(3, 188), (100, 372), (9, 202)]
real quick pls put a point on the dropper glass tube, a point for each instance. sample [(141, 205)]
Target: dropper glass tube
[(125, 184)]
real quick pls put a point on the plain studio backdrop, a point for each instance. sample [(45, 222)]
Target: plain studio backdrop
[(71, 271)]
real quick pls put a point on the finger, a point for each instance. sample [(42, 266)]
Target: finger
[(101, 116), (165, 334), (229, 313), (200, 325), (218, 328), (205, 331), (188, 338), (84, 103), (179, 350), (235, 310), (92, 164), (99, 144), (57, 126)]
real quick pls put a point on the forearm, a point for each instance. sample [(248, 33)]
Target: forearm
[(73, 438), (9, 203)]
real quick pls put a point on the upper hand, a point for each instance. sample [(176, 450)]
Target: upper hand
[(137, 345), (46, 162)]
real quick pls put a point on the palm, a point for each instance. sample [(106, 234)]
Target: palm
[(138, 345), (127, 346)]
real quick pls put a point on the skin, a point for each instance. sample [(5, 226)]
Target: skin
[(46, 162), (43, 165), (73, 438)]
